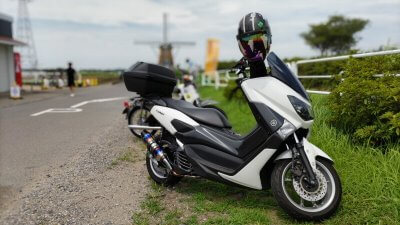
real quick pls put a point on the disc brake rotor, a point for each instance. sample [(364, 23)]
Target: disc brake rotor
[(315, 195)]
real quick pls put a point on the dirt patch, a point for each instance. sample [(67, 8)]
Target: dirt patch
[(87, 189), (6, 194)]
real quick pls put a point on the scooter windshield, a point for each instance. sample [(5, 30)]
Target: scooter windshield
[(281, 72)]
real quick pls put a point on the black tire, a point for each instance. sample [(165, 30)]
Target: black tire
[(131, 118), (168, 180), (301, 211)]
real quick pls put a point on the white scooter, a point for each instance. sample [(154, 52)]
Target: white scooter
[(276, 154)]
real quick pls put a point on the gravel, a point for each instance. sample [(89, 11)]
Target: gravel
[(91, 188)]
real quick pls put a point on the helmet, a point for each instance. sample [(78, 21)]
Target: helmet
[(254, 37)]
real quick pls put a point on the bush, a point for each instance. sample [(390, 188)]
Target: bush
[(365, 105), (233, 92), (321, 68), (226, 65)]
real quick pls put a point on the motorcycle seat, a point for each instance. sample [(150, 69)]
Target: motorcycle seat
[(207, 116)]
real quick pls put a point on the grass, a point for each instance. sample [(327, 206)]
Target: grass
[(239, 114), (102, 76), (370, 181), (129, 156), (155, 209)]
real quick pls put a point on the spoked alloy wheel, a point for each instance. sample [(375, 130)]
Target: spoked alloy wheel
[(300, 200), (138, 116), (159, 173), (157, 169)]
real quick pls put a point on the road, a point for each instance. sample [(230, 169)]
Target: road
[(30, 144)]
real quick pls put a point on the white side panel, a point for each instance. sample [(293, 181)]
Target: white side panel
[(249, 175), (273, 93), (311, 150), (165, 115)]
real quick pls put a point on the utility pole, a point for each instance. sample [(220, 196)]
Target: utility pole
[(24, 33), (166, 57)]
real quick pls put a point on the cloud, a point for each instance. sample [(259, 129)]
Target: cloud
[(100, 33)]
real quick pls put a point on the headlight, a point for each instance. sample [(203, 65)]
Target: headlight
[(302, 108), (286, 129)]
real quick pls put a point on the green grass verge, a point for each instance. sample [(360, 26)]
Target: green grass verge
[(102, 76)]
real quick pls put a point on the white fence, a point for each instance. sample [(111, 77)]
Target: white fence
[(225, 75)]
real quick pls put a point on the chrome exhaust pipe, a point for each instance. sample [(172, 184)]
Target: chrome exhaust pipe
[(140, 127)]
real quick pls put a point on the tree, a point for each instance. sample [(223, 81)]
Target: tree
[(336, 36), (226, 65)]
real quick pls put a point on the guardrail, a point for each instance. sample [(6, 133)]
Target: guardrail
[(54, 78), (206, 81)]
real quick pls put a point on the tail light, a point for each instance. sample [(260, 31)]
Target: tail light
[(126, 104)]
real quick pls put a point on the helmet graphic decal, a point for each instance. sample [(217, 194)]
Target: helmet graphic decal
[(254, 37)]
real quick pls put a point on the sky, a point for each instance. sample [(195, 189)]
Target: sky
[(101, 34)]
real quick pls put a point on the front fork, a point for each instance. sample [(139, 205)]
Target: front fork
[(299, 146)]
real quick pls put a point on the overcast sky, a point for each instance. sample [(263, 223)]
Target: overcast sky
[(100, 33)]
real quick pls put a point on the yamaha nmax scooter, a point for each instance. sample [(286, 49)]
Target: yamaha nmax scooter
[(185, 140)]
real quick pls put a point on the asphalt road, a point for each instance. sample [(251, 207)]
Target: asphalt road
[(31, 144)]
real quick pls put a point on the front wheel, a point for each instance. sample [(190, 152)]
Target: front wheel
[(302, 201)]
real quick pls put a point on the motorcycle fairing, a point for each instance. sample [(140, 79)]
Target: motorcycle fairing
[(213, 151), (249, 175), (311, 151), (273, 93), (266, 117), (221, 140), (204, 152), (211, 163), (281, 72), (165, 115), (208, 116)]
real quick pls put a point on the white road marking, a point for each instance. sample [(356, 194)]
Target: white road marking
[(75, 108), (41, 112), (97, 100), (59, 110), (80, 104)]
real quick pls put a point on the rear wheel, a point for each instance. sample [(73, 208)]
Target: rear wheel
[(138, 116), (300, 200), (158, 172)]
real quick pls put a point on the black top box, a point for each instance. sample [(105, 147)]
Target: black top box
[(150, 80)]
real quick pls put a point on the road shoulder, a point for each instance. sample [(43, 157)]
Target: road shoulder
[(103, 184)]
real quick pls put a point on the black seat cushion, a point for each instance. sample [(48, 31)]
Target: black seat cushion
[(207, 116)]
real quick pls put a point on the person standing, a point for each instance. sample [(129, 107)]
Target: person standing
[(71, 78)]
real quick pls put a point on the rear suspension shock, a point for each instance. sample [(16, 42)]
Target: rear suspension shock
[(155, 149)]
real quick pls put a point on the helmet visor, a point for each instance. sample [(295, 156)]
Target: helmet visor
[(253, 45)]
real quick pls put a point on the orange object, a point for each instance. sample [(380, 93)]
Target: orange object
[(212, 57)]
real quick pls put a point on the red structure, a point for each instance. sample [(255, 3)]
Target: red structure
[(18, 69)]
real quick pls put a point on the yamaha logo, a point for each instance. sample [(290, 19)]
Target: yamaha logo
[(273, 123)]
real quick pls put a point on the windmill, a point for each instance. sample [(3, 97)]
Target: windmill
[(24, 33), (166, 56)]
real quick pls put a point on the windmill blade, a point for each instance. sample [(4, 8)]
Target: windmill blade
[(147, 42), (183, 43)]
